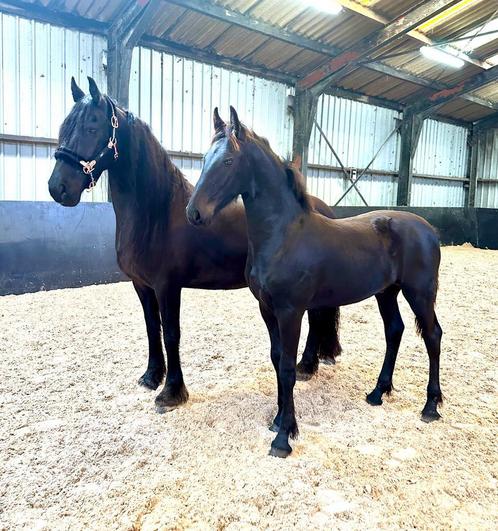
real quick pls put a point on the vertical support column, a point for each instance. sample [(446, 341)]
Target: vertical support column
[(124, 35), (473, 146), (410, 134), (118, 69), (304, 113)]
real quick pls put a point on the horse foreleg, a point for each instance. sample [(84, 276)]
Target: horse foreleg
[(174, 392), (289, 325), (275, 352), (154, 374)]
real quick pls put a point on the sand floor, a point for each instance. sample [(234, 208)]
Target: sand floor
[(81, 446)]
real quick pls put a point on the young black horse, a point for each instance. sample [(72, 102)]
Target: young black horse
[(156, 246), (298, 260)]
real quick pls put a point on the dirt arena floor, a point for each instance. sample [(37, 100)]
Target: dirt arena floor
[(82, 447)]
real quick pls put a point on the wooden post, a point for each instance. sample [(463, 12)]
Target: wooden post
[(410, 134), (118, 70), (123, 36), (473, 146), (304, 113)]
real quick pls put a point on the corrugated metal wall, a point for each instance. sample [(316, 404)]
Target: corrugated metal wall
[(37, 62), (487, 170), (442, 151), (356, 131), (176, 96)]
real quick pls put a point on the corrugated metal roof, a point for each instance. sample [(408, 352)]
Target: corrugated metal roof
[(198, 31)]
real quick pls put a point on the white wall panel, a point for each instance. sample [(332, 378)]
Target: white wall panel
[(442, 150), (25, 170), (437, 193), (487, 155), (37, 62), (329, 185), (487, 195), (356, 131), (176, 96)]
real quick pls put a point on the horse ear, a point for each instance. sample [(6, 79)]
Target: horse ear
[(78, 94), (218, 123), (235, 122), (94, 91)]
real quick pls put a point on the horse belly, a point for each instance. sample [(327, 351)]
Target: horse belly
[(349, 285)]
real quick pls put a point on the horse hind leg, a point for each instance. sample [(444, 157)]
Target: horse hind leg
[(428, 326), (308, 365), (322, 343), (393, 328), (330, 347)]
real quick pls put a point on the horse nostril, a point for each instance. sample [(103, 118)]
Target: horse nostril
[(62, 189)]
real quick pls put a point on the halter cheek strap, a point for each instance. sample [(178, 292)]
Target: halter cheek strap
[(88, 167)]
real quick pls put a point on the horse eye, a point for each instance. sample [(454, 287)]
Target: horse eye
[(228, 162), (92, 131)]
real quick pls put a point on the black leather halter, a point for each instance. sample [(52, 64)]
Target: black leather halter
[(98, 162)]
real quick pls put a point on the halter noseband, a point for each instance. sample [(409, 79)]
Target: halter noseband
[(89, 166)]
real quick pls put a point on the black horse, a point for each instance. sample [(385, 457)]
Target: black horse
[(156, 246), (298, 260)]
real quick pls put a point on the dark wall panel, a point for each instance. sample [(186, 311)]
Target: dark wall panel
[(46, 246)]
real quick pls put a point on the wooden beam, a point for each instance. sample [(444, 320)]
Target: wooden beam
[(164, 45), (345, 62), (490, 122), (58, 18), (124, 34), (410, 134), (431, 103), (364, 98), (238, 19), (304, 108)]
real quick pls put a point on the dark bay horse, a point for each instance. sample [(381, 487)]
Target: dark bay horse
[(299, 260), (156, 246)]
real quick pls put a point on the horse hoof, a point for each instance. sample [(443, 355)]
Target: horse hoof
[(303, 376), (328, 360), (168, 400), (279, 452), (150, 380), (274, 427), (430, 416), (374, 398)]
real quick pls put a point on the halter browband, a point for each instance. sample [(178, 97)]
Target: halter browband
[(90, 166)]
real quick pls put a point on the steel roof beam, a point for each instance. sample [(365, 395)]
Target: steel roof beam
[(382, 68), (371, 14), (345, 62), (429, 104)]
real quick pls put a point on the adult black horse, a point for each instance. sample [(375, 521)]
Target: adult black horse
[(156, 246), (299, 261)]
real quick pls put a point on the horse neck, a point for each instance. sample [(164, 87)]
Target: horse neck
[(271, 206), (144, 182)]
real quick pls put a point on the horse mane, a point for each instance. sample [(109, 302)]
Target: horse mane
[(294, 178)]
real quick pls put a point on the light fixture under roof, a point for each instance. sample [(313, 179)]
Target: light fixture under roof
[(436, 54), (332, 7)]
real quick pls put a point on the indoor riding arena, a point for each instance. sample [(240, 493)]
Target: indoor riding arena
[(138, 375)]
